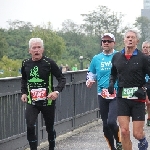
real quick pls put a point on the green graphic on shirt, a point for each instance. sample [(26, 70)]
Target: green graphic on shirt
[(35, 75), (35, 82)]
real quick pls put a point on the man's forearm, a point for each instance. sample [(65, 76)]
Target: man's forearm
[(24, 89)]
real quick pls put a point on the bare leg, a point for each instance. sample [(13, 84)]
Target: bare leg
[(125, 132), (148, 112), (138, 133)]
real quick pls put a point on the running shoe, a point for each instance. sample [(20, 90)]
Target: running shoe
[(148, 122), (143, 145), (119, 146)]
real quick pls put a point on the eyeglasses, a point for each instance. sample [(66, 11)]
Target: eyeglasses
[(108, 41)]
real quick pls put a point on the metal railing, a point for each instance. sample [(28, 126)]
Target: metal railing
[(75, 107)]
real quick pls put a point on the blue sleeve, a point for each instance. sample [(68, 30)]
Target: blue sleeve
[(92, 66)]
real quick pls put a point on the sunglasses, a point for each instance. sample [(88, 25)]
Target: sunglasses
[(108, 41)]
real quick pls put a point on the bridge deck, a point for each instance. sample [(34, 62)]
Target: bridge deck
[(88, 137)]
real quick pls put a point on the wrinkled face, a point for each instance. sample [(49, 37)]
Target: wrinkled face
[(107, 44), (36, 50), (131, 40), (146, 48)]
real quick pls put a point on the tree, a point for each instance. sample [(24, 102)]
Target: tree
[(78, 43), (54, 45), (70, 32), (3, 43), (143, 25), (101, 21), (10, 67), (17, 37)]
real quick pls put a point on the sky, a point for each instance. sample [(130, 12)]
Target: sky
[(40, 12)]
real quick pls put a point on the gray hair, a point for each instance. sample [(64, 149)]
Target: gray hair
[(134, 31), (33, 40), (146, 42)]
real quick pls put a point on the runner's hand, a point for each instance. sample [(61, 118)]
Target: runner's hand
[(89, 83), (52, 95), (24, 98)]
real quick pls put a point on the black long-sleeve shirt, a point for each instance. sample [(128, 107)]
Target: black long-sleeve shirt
[(39, 75), (129, 73)]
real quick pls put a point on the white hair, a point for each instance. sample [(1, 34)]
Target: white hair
[(146, 42), (134, 31), (33, 40)]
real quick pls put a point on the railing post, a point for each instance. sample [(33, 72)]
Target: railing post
[(74, 113)]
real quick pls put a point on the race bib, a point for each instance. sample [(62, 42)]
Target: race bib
[(128, 93), (38, 94), (105, 94)]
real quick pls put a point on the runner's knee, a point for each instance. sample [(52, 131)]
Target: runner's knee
[(125, 132), (138, 135)]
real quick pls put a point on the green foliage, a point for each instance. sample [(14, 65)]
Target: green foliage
[(68, 44), (17, 37), (3, 43), (77, 42), (101, 21), (10, 67), (54, 45), (143, 25)]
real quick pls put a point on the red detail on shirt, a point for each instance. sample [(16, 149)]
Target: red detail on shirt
[(128, 56), (140, 100)]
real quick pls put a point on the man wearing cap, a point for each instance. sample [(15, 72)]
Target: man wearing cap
[(99, 70)]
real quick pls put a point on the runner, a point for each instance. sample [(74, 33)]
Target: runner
[(146, 51), (99, 70), (130, 67), (38, 91)]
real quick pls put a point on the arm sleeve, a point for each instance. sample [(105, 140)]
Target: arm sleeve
[(147, 64), (24, 89), (113, 72), (92, 66), (59, 76), (91, 74)]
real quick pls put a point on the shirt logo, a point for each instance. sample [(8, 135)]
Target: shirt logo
[(106, 65)]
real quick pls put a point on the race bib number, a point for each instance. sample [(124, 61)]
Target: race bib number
[(128, 93), (105, 94), (38, 94)]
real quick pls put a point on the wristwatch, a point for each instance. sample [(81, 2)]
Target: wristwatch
[(57, 92)]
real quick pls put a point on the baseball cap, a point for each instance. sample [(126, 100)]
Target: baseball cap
[(110, 35)]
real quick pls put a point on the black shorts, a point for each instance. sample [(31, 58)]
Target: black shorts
[(134, 109)]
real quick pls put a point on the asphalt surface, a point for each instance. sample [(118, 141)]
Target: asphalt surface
[(88, 137)]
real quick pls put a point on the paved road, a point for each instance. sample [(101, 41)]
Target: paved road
[(89, 137)]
